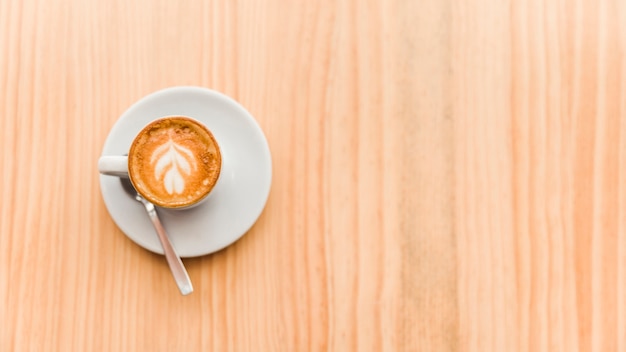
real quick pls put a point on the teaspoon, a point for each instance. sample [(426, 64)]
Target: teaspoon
[(173, 260)]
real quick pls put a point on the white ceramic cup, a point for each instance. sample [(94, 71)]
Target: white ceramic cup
[(172, 164)]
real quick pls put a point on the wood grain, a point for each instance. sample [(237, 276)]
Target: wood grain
[(448, 175), (539, 106)]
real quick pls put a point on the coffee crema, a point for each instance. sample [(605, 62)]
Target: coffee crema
[(174, 162)]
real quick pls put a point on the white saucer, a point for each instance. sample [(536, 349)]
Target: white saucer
[(237, 199)]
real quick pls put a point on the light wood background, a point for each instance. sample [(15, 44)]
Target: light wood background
[(448, 175)]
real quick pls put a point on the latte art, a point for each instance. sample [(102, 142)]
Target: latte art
[(172, 160)]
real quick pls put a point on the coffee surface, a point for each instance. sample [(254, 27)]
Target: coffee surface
[(174, 162)]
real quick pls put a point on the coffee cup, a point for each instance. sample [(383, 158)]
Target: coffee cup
[(173, 162)]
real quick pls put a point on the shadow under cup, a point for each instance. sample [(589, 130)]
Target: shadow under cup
[(173, 162)]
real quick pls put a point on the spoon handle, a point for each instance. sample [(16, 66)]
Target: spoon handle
[(176, 265)]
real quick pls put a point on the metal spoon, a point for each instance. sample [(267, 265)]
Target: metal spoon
[(173, 260)]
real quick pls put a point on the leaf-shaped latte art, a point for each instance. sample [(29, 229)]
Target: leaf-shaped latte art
[(173, 160)]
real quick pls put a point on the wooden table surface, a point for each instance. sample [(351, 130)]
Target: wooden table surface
[(448, 175)]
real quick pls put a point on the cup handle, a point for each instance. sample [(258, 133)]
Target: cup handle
[(113, 165)]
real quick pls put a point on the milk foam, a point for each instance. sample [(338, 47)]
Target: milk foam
[(173, 162)]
